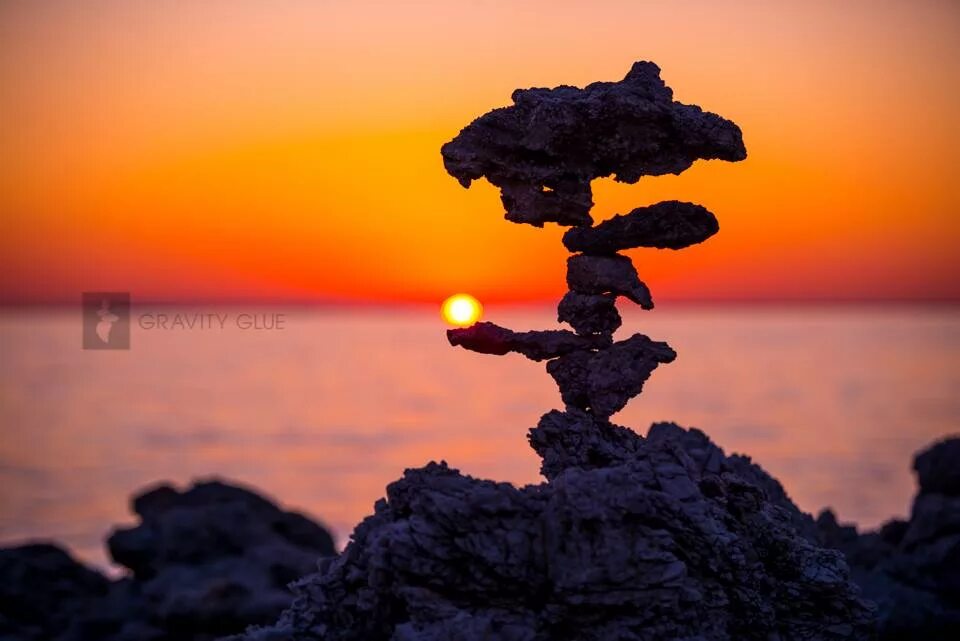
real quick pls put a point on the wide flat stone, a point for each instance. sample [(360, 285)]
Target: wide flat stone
[(543, 151), (667, 225)]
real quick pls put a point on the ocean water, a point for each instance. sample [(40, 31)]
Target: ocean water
[(323, 412)]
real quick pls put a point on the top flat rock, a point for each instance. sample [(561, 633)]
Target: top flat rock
[(667, 225), (543, 151)]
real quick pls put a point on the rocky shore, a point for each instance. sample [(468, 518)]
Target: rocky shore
[(663, 537)]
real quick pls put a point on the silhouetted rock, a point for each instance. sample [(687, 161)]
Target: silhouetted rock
[(605, 380), (543, 151), (205, 562), (607, 274), (938, 468), (576, 438), (210, 521), (216, 558), (667, 225), (488, 338), (647, 542), (589, 313), (43, 590), (911, 569)]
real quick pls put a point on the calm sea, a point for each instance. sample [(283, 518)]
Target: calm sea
[(324, 412)]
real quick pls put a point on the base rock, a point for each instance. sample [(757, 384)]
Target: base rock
[(632, 538)]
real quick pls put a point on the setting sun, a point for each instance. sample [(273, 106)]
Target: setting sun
[(461, 310)]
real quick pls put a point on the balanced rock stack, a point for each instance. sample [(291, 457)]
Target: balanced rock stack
[(542, 153), (630, 538)]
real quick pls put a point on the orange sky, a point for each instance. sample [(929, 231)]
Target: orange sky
[(291, 150)]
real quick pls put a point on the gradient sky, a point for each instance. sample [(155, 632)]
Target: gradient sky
[(291, 150)]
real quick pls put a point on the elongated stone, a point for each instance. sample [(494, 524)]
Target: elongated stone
[(607, 275), (488, 338), (604, 381), (667, 225)]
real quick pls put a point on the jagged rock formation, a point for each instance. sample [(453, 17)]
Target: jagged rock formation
[(204, 563), (911, 569), (630, 539)]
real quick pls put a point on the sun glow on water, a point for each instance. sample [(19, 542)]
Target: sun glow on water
[(461, 310)]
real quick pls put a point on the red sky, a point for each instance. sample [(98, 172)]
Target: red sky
[(290, 150)]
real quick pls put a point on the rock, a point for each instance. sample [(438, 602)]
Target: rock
[(488, 338), (938, 468), (589, 313), (667, 225), (645, 542), (215, 558), (607, 275), (604, 381), (43, 590), (912, 569), (576, 438), (210, 521), (543, 151), (204, 563)]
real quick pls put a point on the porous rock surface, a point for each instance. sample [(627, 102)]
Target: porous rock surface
[(631, 539), (911, 569), (667, 225), (603, 381), (589, 313), (587, 274), (203, 563), (543, 151)]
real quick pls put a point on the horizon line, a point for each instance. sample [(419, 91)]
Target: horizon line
[(260, 301)]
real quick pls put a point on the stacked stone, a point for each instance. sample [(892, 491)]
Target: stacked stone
[(542, 153), (631, 538)]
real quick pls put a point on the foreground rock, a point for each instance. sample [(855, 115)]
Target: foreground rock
[(204, 563), (911, 569), (632, 539), (43, 590)]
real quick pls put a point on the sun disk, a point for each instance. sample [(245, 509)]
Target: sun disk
[(461, 310)]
